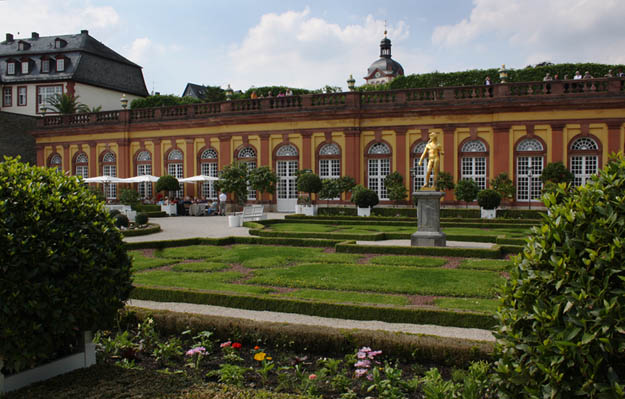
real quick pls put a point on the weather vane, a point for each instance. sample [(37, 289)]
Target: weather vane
[(385, 28)]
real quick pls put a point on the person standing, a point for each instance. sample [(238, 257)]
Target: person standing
[(222, 203)]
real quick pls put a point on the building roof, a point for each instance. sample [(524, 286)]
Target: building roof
[(195, 91), (385, 64), (86, 60)]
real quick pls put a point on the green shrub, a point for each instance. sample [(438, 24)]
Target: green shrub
[(121, 220), (488, 199), (504, 186), (114, 212), (63, 265), (365, 198), (556, 172), (129, 197), (167, 183), (141, 219), (466, 190), (561, 331), (309, 182)]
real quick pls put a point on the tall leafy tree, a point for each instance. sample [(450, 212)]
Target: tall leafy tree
[(233, 179), (263, 179), (466, 190)]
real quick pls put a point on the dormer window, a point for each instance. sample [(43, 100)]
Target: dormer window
[(45, 65), (59, 43), (10, 68), (21, 46), (25, 67), (60, 64)]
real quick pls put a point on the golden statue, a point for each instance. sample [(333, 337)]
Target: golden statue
[(433, 152)]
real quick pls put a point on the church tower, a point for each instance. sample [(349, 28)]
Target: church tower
[(385, 68)]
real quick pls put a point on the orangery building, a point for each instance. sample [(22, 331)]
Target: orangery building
[(516, 128)]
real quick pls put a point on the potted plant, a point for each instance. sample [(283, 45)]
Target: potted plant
[(488, 200), (466, 190), (364, 199), (169, 184), (233, 180), (310, 183)]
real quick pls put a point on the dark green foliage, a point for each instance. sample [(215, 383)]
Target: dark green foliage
[(213, 94), (63, 265), (394, 183), (445, 182), (121, 220), (563, 309), (466, 190), (148, 208), (150, 229), (263, 179), (337, 310), (99, 194), (167, 183), (114, 212), (394, 178), (504, 186), (329, 189), (364, 197), (308, 182), (493, 253), (233, 180), (159, 100), (141, 219), (488, 199), (556, 172), (265, 90), (67, 104), (346, 183), (129, 196)]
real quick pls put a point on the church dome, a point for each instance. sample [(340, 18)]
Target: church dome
[(385, 64)]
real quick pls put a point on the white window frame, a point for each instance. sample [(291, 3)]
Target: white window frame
[(22, 96), (45, 65), (377, 170), (25, 67), (474, 168), (7, 96), (11, 68), (45, 93), (60, 64)]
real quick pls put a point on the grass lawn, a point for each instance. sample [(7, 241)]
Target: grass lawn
[(316, 275)]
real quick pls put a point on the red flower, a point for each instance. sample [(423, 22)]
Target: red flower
[(256, 347), (236, 345)]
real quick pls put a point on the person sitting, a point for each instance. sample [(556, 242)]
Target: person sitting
[(556, 77), (609, 74), (620, 73), (587, 75), (577, 76), (253, 96), (213, 209), (289, 92), (487, 81), (547, 77)]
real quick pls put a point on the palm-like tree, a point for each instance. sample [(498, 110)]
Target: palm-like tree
[(67, 104)]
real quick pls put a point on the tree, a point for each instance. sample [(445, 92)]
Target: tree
[(556, 172), (466, 190), (504, 186), (394, 183), (309, 182), (562, 312), (345, 184), (63, 264), (213, 94), (364, 197), (67, 104), (263, 179), (233, 179), (130, 197), (159, 100), (488, 199), (330, 189), (445, 182), (168, 183)]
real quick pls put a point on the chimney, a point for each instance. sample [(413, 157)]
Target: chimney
[(84, 32), (34, 36), (9, 37)]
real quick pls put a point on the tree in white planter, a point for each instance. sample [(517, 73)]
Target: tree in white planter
[(364, 199), (488, 200), (310, 183), (466, 190), (233, 180)]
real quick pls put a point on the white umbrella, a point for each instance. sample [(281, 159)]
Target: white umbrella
[(198, 178), (103, 179), (141, 179)]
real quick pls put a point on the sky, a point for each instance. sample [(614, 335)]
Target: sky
[(311, 44)]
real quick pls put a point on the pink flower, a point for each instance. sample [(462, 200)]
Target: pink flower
[(225, 344), (362, 364), (312, 377), (361, 355), (373, 354), (360, 372), (365, 349), (200, 349)]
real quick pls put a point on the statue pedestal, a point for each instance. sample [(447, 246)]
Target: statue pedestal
[(429, 232)]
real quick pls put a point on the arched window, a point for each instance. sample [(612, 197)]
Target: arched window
[(530, 156), (81, 165), (175, 168), (418, 172), (330, 162), (109, 168), (473, 156), (208, 167), (56, 162), (144, 167), (378, 167), (247, 155), (584, 155), (286, 168)]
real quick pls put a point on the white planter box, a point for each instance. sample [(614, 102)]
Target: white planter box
[(364, 211), (488, 213), (234, 221), (309, 210), (299, 210), (169, 209), (83, 359)]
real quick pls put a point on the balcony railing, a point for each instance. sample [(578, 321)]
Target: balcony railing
[(564, 89)]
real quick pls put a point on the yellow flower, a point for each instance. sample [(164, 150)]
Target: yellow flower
[(260, 356), (268, 357)]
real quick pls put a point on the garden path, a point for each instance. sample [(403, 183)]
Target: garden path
[(292, 318)]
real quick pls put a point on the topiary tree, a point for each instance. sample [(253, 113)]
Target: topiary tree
[(233, 180), (466, 190), (130, 197), (330, 189), (488, 199), (364, 197), (263, 179), (141, 219), (445, 182), (345, 184), (556, 172), (63, 265), (504, 186), (121, 220), (561, 322), (310, 183), (168, 183)]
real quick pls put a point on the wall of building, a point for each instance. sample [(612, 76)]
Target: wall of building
[(15, 137), (96, 96)]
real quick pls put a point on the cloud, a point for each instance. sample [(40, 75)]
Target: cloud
[(54, 17), (139, 50), (297, 49), (553, 29)]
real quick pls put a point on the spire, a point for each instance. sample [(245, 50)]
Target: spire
[(385, 45)]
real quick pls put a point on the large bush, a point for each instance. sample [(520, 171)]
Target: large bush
[(488, 199), (562, 321), (63, 267), (309, 182), (466, 190), (364, 197)]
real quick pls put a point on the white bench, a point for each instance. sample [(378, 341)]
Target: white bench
[(253, 213)]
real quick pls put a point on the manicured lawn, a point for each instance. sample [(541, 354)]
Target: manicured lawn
[(317, 275)]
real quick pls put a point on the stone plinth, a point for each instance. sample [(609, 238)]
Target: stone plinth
[(429, 232)]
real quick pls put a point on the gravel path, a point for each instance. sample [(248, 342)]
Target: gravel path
[(292, 318)]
